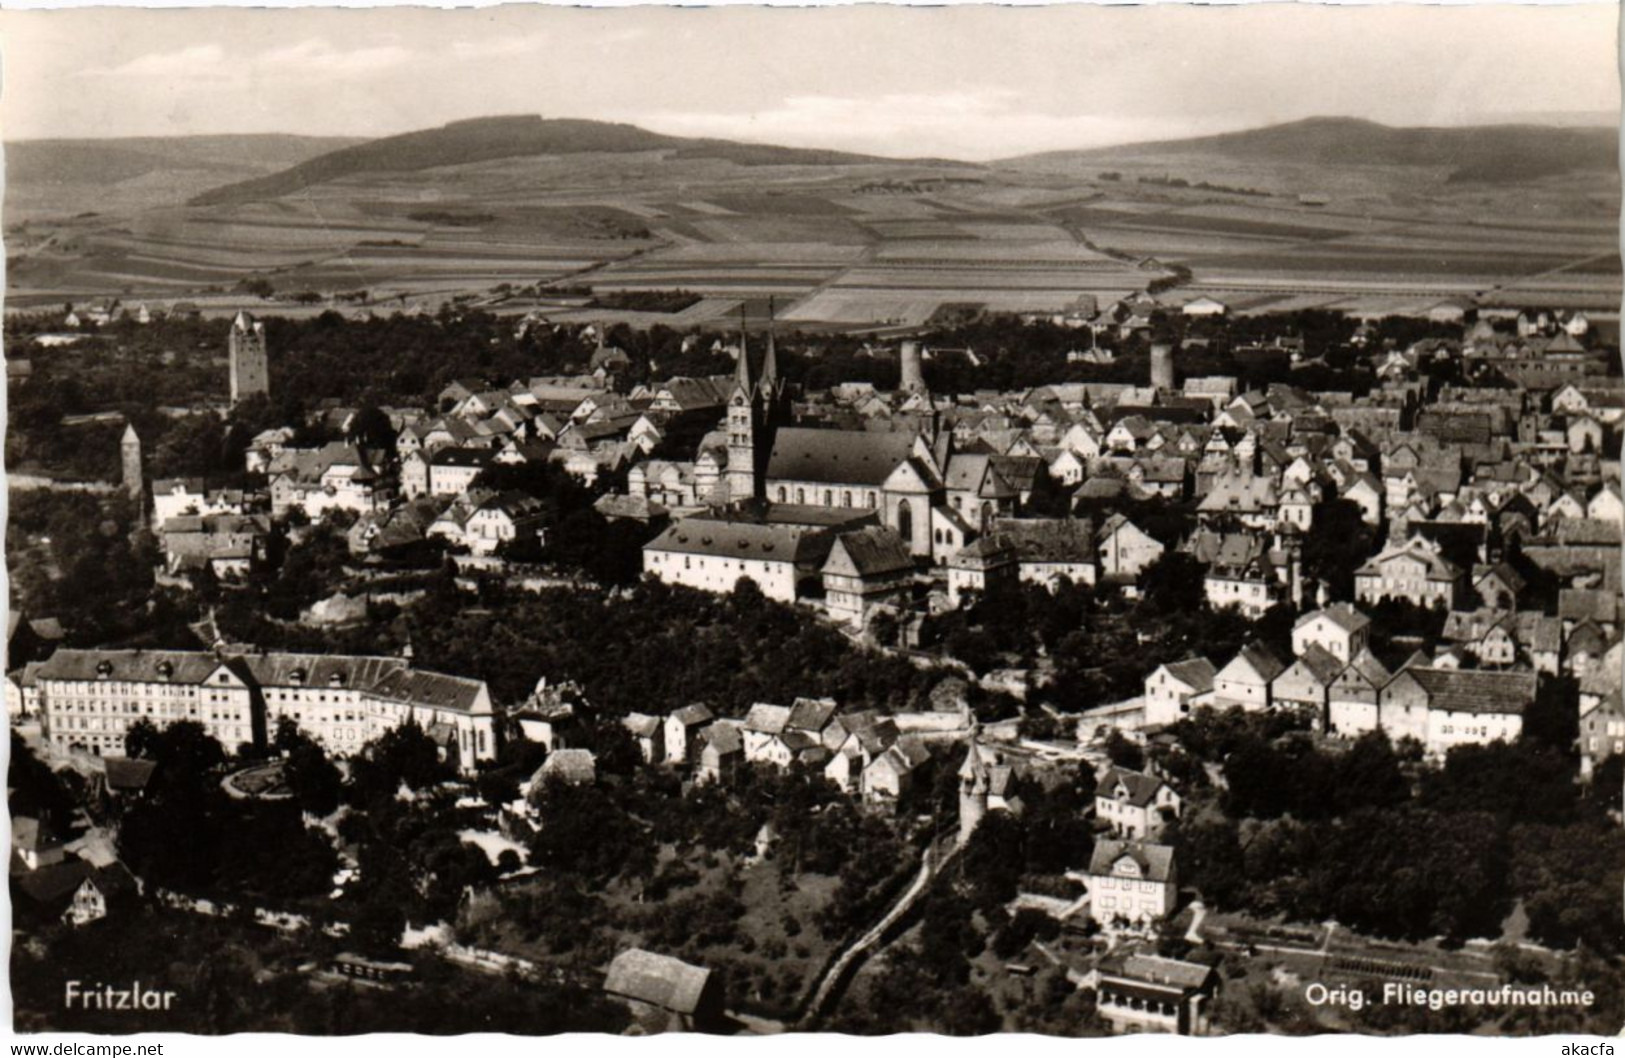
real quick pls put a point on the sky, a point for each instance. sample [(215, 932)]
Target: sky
[(966, 82)]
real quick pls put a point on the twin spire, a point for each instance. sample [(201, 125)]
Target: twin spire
[(770, 383)]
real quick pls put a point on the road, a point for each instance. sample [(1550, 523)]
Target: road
[(936, 857)]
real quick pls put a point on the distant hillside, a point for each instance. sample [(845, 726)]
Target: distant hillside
[(66, 178), (109, 161), (1485, 153), (490, 139)]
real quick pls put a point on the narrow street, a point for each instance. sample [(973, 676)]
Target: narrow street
[(938, 856)]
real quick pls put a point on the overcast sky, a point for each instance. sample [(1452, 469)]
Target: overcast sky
[(963, 82)]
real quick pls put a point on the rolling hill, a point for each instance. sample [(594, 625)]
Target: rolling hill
[(69, 176), (1486, 153), (497, 138), (525, 213)]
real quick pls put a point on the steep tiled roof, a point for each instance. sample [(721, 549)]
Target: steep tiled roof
[(767, 719), (1156, 861), (1320, 663), (1139, 789), (857, 457), (185, 666), (745, 540), (1049, 539), (692, 714), (1342, 614), (430, 689), (811, 714), (1476, 691), (659, 980), (1196, 673), (872, 551)]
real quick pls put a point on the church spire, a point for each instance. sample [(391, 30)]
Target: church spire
[(742, 369), (770, 361)]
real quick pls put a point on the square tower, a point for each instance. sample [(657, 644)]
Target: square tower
[(250, 372)]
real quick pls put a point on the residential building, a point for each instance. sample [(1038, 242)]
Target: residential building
[(1339, 629), (1245, 681), (1133, 804), (866, 570), (1172, 690), (1138, 991), (1131, 883)]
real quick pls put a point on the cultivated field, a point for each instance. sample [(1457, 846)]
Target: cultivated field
[(854, 244)]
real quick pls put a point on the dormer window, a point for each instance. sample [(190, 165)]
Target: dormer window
[(336, 680), (297, 677), (104, 669)]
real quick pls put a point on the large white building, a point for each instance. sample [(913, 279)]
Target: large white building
[(90, 698), (713, 554)]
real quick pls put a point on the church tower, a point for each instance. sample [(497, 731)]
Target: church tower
[(973, 789), (743, 481), (756, 408), (130, 457), (250, 371)]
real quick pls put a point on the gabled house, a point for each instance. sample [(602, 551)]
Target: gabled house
[(1245, 681), (1131, 883), (1306, 684), (1174, 689), (1339, 629), (683, 728), (1124, 549), (1135, 805), (721, 752), (1351, 704), (865, 571)]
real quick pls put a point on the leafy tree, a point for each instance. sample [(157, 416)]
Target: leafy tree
[(1340, 544), (313, 778), (1124, 752), (402, 755), (1369, 776), (35, 790), (371, 428), (1173, 584), (585, 834)]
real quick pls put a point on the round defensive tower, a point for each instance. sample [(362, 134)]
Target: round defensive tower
[(1162, 365)]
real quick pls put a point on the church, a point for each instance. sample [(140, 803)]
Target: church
[(912, 480)]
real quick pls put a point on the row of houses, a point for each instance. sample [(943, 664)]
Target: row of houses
[(1350, 692)]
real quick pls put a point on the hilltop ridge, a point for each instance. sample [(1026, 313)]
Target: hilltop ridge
[(1486, 153), (511, 136)]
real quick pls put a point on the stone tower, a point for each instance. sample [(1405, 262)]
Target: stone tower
[(130, 457), (911, 376), (250, 371), (973, 788), (1162, 365)]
